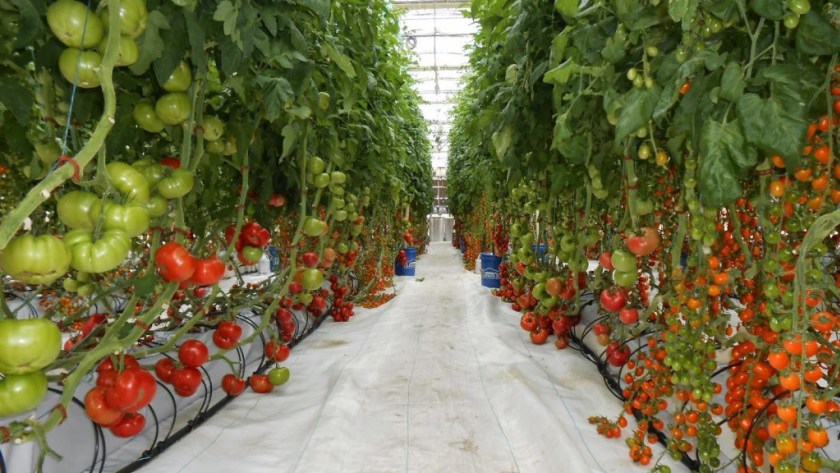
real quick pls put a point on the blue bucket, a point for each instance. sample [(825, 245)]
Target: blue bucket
[(490, 276), (408, 269)]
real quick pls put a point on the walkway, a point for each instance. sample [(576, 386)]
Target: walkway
[(441, 379)]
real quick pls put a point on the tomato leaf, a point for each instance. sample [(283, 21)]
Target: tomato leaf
[(724, 156), (683, 10), (778, 124), (636, 112), (342, 61), (566, 7), (501, 141), (732, 82), (320, 7), (145, 286), (816, 37), (176, 48), (30, 24), (16, 98), (562, 73), (770, 9), (290, 134), (150, 43)]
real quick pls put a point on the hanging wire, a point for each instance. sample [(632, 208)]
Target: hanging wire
[(74, 89)]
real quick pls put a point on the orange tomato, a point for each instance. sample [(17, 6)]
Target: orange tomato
[(803, 174)]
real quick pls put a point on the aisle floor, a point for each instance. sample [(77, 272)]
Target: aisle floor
[(441, 379)]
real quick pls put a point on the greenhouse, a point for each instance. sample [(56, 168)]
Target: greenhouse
[(375, 236)]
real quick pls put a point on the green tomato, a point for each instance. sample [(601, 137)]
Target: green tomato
[(97, 256), (20, 393), (252, 253), (173, 108), (315, 227), (791, 21), (338, 177), (28, 345), (321, 180), (79, 67), (128, 52), (625, 279), (74, 24), (278, 375), (133, 17), (311, 279), (129, 182), (214, 128), (35, 259), (74, 209), (316, 165), (624, 261), (230, 145), (215, 147), (340, 215), (146, 118), (157, 206), (178, 184), (180, 79), (152, 171), (800, 7), (133, 219)]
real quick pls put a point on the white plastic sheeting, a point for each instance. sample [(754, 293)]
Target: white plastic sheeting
[(440, 379)]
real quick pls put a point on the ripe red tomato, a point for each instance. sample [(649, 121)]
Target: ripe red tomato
[(164, 369), (174, 262), (600, 328), (133, 390), (605, 260), (232, 384), (260, 383), (208, 271), (253, 234), (171, 161), (193, 353), (277, 352), (130, 425), (539, 336), (528, 322), (310, 259), (226, 335), (628, 315), (186, 381), (617, 354), (98, 409), (613, 301)]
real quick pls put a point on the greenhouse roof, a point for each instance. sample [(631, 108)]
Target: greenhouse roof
[(438, 33)]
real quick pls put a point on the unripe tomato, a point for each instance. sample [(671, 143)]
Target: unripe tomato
[(74, 24), (79, 67), (173, 108)]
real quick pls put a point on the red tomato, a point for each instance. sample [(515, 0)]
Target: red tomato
[(253, 234), (539, 336), (613, 301), (310, 259), (164, 369), (226, 335), (208, 271), (605, 260), (260, 383), (193, 353), (186, 381), (130, 425), (528, 322), (277, 352), (98, 409), (628, 315), (171, 161), (133, 390), (232, 384), (174, 262)]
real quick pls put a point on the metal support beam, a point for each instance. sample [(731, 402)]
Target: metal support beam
[(431, 5)]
